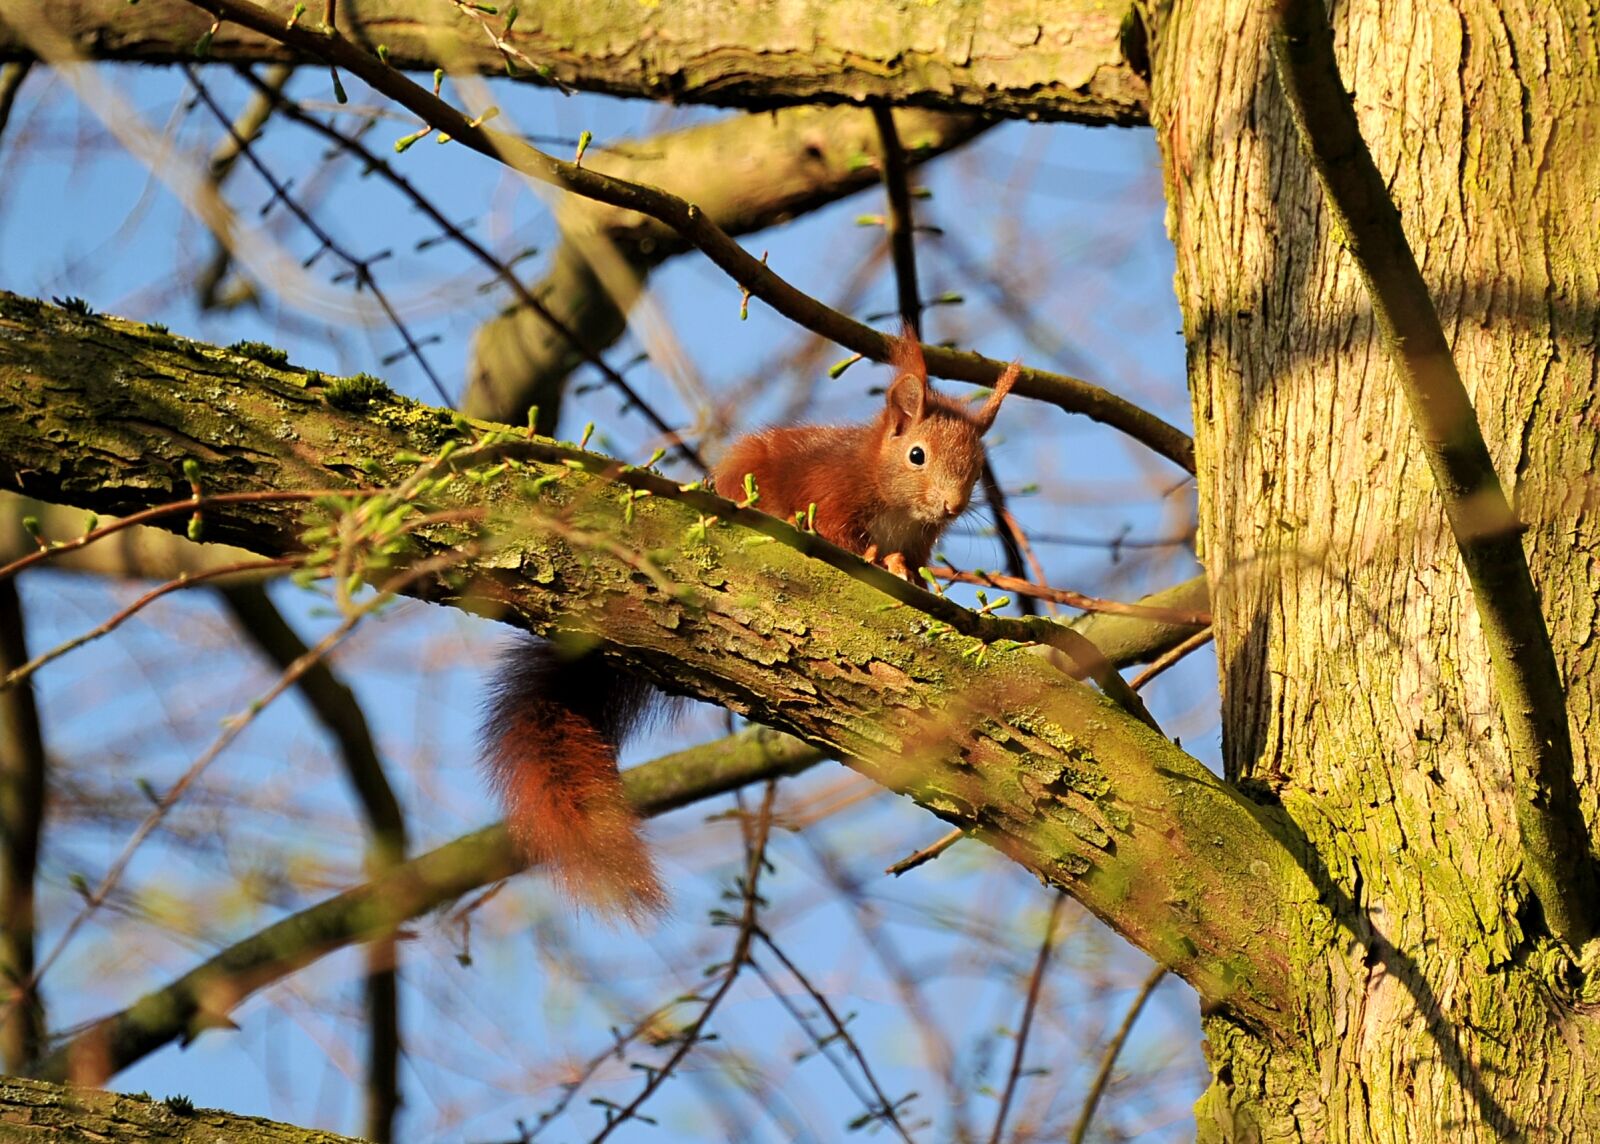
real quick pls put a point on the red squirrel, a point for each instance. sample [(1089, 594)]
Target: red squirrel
[(884, 490)]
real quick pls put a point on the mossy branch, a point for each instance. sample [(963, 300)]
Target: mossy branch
[(724, 604), (36, 1110)]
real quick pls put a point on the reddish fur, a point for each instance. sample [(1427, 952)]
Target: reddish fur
[(554, 724), (553, 730), (855, 474)]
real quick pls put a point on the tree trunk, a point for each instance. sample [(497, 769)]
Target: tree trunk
[(1356, 686)]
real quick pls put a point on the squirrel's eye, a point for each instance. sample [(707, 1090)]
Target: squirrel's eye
[(916, 456)]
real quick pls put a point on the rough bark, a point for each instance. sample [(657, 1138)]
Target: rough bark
[(1011, 58), (744, 611), (1357, 689), (33, 1110), (204, 997)]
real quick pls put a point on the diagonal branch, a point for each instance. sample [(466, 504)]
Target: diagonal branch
[(203, 997), (707, 599), (1556, 853), (1072, 394), (206, 994)]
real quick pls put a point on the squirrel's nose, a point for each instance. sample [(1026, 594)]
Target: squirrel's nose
[(953, 506)]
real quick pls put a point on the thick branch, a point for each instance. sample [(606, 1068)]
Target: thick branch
[(1555, 843), (1005, 57), (37, 1110), (209, 992), (743, 611)]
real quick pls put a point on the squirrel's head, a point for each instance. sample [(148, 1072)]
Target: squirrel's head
[(931, 447)]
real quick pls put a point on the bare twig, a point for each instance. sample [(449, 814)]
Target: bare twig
[(360, 268), (1555, 843), (1072, 599), (146, 516), (95, 898), (19, 674), (206, 994), (755, 862), (1070, 393), (631, 397), (249, 124), (1114, 1050), (885, 1109), (1035, 988), (1172, 656), (902, 237), (1014, 543), (927, 853)]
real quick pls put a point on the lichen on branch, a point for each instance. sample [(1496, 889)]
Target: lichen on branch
[(724, 604)]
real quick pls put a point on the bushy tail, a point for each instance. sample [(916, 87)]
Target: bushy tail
[(551, 732)]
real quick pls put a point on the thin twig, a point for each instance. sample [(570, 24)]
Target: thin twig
[(631, 397), (145, 516), (902, 237), (360, 268), (1113, 1050), (927, 853), (1035, 988), (184, 580), (688, 220), (1070, 598), (95, 898), (249, 124), (1557, 857), (209, 991), (755, 862), (885, 1109), (1172, 656), (1013, 542)]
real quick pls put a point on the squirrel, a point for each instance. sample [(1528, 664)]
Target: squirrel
[(554, 720)]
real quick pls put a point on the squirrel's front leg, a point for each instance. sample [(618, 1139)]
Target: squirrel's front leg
[(896, 562)]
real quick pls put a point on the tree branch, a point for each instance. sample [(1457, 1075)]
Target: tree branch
[(691, 222), (1004, 56), (23, 779), (37, 1110), (703, 598), (1556, 853), (203, 997), (745, 173)]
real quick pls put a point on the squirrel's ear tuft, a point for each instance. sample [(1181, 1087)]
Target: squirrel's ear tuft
[(905, 353), (991, 408), (907, 399), (908, 395)]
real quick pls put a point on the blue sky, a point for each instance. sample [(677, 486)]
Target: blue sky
[(1069, 217)]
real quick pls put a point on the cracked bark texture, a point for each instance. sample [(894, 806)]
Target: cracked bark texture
[(1002, 57), (101, 413), (1356, 686)]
